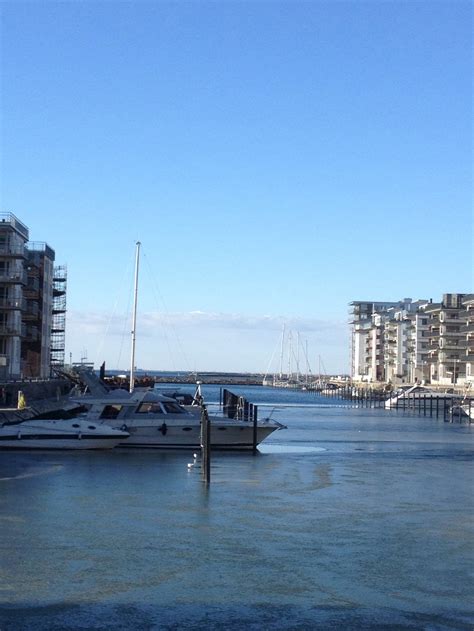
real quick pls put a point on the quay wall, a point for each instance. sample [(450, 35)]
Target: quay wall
[(215, 379), (34, 391)]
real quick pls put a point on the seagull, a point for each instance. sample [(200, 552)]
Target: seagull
[(195, 456)]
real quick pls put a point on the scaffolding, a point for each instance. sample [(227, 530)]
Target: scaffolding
[(58, 328)]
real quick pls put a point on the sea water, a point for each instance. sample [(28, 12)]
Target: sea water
[(351, 518)]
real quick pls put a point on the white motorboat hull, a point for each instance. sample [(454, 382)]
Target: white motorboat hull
[(468, 410), (63, 434), (417, 397), (417, 402), (224, 436)]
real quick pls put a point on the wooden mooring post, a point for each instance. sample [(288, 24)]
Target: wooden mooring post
[(205, 445), (254, 416)]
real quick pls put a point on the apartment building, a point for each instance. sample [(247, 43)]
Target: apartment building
[(13, 238), (406, 345), (38, 313), (414, 341), (366, 318), (418, 344), (468, 303), (448, 344), (28, 297)]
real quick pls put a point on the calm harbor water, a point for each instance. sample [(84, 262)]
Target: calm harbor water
[(348, 519)]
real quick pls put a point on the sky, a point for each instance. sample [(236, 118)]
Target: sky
[(277, 160)]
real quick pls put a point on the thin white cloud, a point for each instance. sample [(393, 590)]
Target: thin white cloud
[(201, 340), (96, 322)]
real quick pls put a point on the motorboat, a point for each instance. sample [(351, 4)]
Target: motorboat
[(463, 409), (59, 434), (156, 421), (415, 397), (468, 409)]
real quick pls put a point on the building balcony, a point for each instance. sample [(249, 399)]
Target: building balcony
[(15, 223), (31, 312), (32, 334), (10, 330), (451, 320), (450, 357), (452, 333), (12, 250), (447, 344), (12, 304), (15, 278), (31, 294)]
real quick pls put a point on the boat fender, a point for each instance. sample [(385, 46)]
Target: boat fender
[(163, 429), (124, 428)]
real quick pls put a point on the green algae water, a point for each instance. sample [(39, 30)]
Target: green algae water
[(349, 519)]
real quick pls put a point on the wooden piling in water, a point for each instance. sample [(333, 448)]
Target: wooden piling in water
[(254, 411), (205, 445)]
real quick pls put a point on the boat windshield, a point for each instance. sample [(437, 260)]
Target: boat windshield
[(173, 408), (149, 408), (111, 411)]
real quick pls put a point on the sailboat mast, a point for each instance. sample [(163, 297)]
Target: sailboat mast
[(134, 320), (281, 351)]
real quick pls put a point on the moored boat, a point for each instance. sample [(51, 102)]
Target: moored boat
[(61, 434), (415, 397), (155, 421)]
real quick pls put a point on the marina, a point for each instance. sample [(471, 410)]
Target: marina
[(236, 317), (353, 517)]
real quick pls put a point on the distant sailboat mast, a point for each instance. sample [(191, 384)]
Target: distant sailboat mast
[(134, 320), (281, 351)]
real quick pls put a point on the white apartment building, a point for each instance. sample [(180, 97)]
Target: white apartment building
[(468, 303), (406, 344), (448, 341), (366, 339), (414, 341)]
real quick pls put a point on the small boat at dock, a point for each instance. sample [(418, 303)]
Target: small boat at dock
[(415, 397)]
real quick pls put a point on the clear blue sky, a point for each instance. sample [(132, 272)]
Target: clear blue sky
[(276, 159)]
